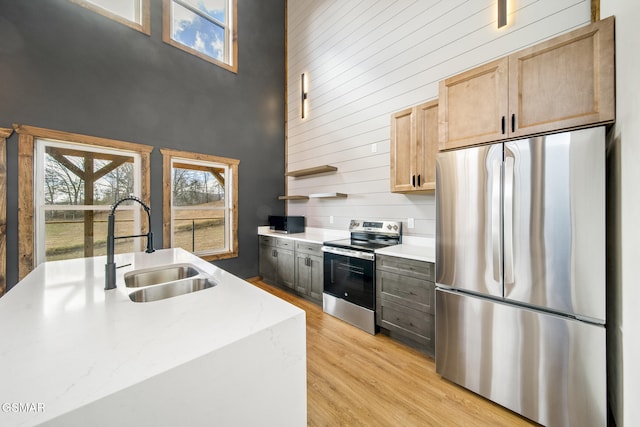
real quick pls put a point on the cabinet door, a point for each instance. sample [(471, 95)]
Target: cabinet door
[(474, 106), (317, 277), (303, 274), (426, 145), (309, 276), (563, 83), (267, 263), (286, 268), (402, 147)]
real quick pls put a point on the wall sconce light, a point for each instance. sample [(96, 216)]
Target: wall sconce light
[(303, 95), (502, 13)]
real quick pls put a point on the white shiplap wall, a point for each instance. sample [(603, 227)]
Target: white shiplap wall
[(365, 59)]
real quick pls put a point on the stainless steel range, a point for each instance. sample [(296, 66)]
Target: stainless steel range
[(349, 271)]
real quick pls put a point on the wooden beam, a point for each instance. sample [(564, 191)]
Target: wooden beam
[(25, 205), (80, 153), (197, 167), (218, 177), (218, 173), (69, 165), (197, 156), (109, 167), (78, 138), (4, 133), (89, 181)]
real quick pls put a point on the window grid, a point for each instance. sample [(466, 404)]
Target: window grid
[(230, 49)]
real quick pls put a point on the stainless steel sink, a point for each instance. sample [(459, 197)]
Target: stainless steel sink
[(163, 274), (171, 289)]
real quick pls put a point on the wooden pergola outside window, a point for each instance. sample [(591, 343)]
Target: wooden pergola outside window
[(87, 174), (83, 162), (200, 208)]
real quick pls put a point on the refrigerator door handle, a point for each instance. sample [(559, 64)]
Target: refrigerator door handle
[(508, 218), (495, 218)]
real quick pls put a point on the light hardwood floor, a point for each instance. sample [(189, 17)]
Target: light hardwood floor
[(357, 379)]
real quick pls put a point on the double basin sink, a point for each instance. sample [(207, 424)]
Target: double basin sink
[(166, 281)]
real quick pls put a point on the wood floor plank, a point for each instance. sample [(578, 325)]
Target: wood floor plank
[(358, 379)]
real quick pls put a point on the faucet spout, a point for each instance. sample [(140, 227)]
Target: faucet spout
[(110, 266)]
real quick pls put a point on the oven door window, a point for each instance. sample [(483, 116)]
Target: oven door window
[(350, 279)]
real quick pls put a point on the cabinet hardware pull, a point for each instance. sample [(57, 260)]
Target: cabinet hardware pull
[(503, 125), (513, 122), (413, 181), (418, 180)]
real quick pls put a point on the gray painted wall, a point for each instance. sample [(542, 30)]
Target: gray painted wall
[(66, 68)]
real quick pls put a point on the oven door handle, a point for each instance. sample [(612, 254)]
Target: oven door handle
[(369, 256), (350, 269)]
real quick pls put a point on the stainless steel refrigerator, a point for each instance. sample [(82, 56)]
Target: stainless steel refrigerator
[(520, 272)]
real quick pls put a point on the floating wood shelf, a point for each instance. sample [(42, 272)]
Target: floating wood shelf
[(311, 171), (293, 197), (327, 196)]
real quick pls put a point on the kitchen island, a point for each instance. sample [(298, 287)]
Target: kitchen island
[(72, 353)]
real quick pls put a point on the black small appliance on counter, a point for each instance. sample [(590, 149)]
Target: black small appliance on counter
[(286, 224)]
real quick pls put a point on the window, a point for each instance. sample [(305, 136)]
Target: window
[(133, 13), (200, 204), (204, 28), (75, 187), (67, 184)]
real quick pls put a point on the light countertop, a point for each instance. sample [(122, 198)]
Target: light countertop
[(419, 249), (310, 235), (416, 248), (67, 343)]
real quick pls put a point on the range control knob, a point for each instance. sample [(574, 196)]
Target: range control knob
[(388, 226), (395, 227)]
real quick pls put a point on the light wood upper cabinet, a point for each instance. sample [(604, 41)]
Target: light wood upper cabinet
[(566, 82), (414, 145), (401, 147), (474, 105)]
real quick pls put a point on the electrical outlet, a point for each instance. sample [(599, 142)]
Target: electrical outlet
[(331, 219), (411, 223), (374, 148)]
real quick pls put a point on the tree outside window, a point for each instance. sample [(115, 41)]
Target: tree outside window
[(67, 183), (200, 212), (78, 186)]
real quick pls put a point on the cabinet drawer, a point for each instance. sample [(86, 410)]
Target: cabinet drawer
[(417, 294), (414, 321), (409, 267), (309, 248), (285, 243), (266, 240)]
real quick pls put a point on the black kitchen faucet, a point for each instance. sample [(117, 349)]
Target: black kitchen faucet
[(110, 266)]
